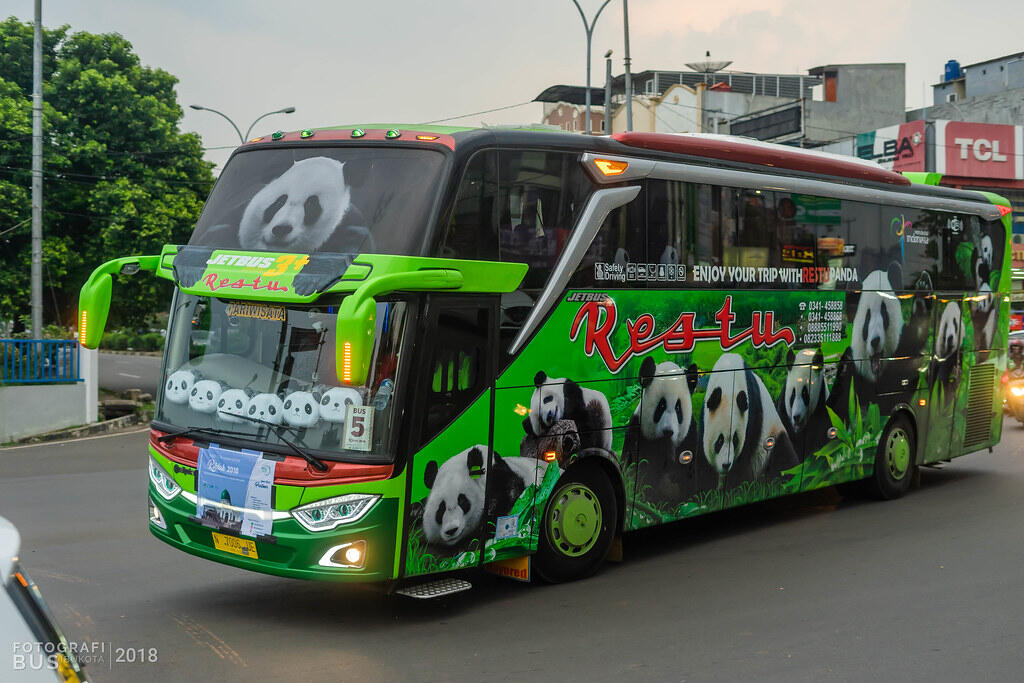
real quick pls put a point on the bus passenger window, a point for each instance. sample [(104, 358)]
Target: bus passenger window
[(619, 241), (541, 194), (756, 239), (670, 222), (471, 230)]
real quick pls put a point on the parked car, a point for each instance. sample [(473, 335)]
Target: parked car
[(38, 650)]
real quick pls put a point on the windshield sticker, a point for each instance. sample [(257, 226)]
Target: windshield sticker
[(358, 428), (234, 491), (257, 311)]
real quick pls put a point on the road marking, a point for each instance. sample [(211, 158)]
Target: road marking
[(126, 374), (204, 637), (67, 441)]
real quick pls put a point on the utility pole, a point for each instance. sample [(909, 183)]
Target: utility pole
[(608, 92), (37, 174), (629, 80), (589, 28)]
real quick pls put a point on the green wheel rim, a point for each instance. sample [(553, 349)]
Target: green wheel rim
[(574, 520), (897, 453)]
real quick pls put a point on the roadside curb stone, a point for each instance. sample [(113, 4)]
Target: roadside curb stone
[(104, 427)]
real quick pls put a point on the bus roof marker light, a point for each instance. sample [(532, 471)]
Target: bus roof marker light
[(277, 135), (1003, 210), (358, 133), (306, 133), (393, 134), (611, 167), (426, 138)]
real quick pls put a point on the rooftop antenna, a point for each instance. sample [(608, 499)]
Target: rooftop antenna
[(709, 66)]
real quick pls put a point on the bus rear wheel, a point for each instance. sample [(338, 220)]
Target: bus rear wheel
[(578, 525), (894, 460)]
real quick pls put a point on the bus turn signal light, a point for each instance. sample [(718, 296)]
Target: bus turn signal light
[(346, 362), (610, 167), (550, 456)]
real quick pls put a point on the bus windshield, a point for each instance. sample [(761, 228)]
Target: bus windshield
[(330, 199), (264, 374)]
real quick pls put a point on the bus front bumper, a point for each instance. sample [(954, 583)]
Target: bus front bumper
[(291, 550)]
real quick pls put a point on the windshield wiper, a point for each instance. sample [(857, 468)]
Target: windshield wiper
[(318, 465), (187, 431)]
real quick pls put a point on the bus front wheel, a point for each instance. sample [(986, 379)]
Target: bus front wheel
[(578, 525), (894, 460)]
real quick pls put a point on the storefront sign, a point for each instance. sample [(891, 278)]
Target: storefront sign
[(979, 150), (898, 148)]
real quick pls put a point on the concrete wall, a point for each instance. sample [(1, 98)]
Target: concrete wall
[(1006, 107), (868, 96), (992, 77), (30, 409)]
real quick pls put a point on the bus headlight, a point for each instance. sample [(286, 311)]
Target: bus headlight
[(162, 481), (324, 515), (1017, 390)]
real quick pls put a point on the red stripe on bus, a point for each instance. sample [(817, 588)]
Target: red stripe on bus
[(778, 157)]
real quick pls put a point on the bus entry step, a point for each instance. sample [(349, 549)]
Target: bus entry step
[(435, 589)]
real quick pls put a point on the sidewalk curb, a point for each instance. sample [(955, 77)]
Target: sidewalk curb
[(105, 427), (131, 353)]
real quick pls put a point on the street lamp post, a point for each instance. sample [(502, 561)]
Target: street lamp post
[(589, 28), (608, 92), (242, 138)]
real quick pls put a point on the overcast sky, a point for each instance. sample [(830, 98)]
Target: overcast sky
[(407, 61)]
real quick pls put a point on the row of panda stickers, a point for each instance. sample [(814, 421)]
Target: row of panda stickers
[(320, 414), (703, 399)]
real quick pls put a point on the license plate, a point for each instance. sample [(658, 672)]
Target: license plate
[(235, 546)]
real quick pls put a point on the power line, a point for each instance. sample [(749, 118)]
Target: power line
[(475, 113), (60, 177)]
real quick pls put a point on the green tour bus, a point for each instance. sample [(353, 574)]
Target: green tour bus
[(395, 352)]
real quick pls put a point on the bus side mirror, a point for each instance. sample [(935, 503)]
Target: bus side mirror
[(357, 319), (94, 297), (357, 316)]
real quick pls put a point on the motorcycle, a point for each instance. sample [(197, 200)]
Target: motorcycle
[(1013, 399)]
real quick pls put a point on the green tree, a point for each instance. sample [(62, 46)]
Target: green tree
[(120, 177)]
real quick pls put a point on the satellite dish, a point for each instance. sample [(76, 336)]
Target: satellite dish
[(709, 66)]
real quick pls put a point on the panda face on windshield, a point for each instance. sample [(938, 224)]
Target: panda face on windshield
[(301, 409), (232, 404), (204, 396), (266, 408), (299, 210), (179, 386)]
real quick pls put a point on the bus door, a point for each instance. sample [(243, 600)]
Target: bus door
[(945, 375), (449, 515)]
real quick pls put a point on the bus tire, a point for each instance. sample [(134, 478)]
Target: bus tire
[(578, 525), (894, 460)]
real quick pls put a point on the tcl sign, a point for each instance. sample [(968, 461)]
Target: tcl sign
[(979, 150)]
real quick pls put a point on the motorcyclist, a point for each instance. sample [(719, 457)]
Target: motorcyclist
[(1016, 353)]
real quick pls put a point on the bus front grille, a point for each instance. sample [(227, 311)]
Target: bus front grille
[(979, 406)]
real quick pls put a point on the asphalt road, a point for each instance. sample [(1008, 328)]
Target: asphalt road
[(120, 372), (810, 589)]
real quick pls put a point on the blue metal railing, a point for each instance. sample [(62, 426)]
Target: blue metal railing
[(39, 361)]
